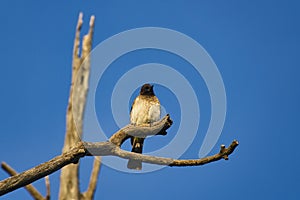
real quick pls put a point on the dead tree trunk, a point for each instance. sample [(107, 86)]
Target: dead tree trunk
[(74, 148), (69, 178)]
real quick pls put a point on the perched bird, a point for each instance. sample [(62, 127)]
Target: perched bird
[(144, 110)]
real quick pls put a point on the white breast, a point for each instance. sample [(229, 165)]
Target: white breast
[(144, 111), (154, 113)]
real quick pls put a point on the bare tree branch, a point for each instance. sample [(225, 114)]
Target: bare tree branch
[(30, 188), (47, 183), (102, 149), (157, 128), (173, 162), (69, 179), (111, 147), (40, 171), (74, 149), (89, 194)]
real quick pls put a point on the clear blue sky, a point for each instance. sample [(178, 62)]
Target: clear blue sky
[(255, 45)]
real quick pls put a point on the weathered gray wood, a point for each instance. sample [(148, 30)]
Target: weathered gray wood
[(108, 148), (69, 178)]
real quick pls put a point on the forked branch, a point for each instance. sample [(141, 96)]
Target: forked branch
[(110, 148), (74, 149)]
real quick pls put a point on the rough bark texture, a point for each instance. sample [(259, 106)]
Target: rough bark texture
[(40, 171), (69, 179), (111, 147), (30, 188), (74, 149)]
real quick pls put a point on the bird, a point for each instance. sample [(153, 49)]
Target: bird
[(145, 110)]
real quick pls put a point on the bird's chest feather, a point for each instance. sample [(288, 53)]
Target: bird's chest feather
[(145, 111)]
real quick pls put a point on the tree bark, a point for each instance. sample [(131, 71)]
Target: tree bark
[(111, 148), (69, 179), (74, 148)]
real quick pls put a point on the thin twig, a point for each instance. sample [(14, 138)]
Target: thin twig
[(82, 149), (47, 183), (89, 194), (102, 149)]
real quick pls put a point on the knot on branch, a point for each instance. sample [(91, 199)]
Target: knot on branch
[(224, 152), (111, 147)]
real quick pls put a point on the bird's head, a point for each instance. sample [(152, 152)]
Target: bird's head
[(147, 89)]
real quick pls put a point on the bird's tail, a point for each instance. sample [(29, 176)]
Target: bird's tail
[(137, 147)]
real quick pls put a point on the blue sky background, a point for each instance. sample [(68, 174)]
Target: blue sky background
[(255, 45)]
